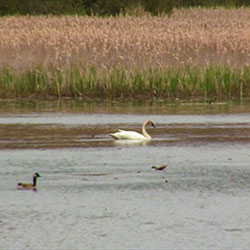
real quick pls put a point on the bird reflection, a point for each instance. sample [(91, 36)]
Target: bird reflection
[(131, 143)]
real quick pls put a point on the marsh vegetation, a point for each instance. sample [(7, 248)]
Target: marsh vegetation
[(193, 53)]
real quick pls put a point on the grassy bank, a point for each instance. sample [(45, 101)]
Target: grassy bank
[(213, 82), (195, 52)]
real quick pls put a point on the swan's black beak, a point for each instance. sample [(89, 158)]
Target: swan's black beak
[(152, 124)]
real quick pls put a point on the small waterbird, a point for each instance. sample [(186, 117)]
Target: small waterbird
[(162, 167), (29, 186), (132, 135)]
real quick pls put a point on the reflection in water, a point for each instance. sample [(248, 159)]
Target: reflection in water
[(168, 106), (131, 142)]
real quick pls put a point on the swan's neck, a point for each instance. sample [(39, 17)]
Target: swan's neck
[(144, 132)]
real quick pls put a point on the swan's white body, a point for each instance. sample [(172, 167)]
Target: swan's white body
[(132, 135)]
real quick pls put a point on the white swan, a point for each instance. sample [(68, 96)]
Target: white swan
[(132, 135)]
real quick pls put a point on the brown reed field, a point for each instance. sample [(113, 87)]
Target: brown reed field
[(194, 52)]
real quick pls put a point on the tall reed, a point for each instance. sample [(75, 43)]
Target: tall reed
[(187, 82), (193, 37), (195, 52)]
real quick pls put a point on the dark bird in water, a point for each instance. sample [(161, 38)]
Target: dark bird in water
[(162, 167), (29, 186)]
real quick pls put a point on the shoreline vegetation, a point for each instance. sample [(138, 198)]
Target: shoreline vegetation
[(214, 83), (193, 53)]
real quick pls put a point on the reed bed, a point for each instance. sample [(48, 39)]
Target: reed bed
[(211, 83), (194, 52)]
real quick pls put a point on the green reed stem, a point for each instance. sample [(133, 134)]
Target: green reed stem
[(183, 83)]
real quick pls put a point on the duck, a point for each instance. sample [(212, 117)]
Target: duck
[(29, 186), (132, 135), (160, 168)]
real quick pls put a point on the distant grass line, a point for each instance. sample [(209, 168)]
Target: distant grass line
[(215, 82)]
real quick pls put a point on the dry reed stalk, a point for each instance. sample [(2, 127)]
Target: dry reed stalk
[(202, 37)]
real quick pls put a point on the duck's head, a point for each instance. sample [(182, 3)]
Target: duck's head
[(37, 175)]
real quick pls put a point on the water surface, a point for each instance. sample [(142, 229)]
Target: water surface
[(97, 193)]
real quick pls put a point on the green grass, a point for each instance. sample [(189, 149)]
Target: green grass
[(183, 83)]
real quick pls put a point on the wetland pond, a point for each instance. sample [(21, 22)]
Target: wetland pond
[(98, 193)]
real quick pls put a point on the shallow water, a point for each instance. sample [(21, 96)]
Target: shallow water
[(97, 193)]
